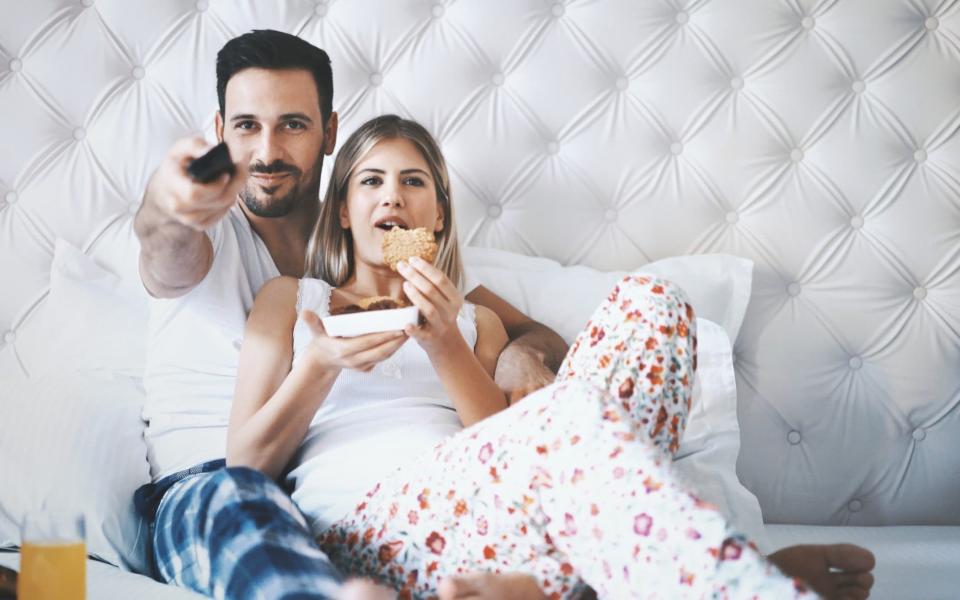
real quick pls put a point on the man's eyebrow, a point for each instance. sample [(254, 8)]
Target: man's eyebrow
[(283, 117)]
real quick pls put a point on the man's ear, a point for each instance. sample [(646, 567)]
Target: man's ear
[(218, 120), (344, 216), (330, 134)]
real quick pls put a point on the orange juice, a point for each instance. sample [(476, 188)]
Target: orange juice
[(52, 571)]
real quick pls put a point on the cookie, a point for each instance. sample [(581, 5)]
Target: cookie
[(367, 304), (400, 244)]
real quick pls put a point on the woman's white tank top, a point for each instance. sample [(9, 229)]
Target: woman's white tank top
[(370, 423)]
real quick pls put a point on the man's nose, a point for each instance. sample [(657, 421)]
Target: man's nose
[(268, 148)]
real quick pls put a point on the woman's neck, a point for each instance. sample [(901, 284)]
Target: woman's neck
[(369, 280)]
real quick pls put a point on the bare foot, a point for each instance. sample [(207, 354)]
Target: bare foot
[(835, 571), (362, 589), (476, 586)]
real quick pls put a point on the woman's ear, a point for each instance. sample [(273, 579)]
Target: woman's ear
[(344, 216), (438, 227)]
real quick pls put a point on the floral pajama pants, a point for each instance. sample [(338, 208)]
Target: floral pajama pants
[(572, 485)]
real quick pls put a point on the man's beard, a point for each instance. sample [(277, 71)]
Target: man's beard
[(272, 207)]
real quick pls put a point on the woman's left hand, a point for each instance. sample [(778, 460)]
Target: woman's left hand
[(439, 302)]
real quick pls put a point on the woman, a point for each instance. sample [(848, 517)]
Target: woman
[(400, 449)]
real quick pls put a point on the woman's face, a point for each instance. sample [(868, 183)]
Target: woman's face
[(391, 185)]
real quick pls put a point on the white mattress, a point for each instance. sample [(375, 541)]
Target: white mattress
[(913, 562), (108, 582)]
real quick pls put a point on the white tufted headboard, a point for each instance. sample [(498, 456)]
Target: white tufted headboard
[(819, 138)]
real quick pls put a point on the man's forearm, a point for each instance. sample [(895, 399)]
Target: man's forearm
[(539, 339), (173, 257)]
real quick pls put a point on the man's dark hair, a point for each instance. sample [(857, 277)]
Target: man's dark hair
[(269, 49)]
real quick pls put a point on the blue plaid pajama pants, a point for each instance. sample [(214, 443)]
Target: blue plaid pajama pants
[(234, 533)]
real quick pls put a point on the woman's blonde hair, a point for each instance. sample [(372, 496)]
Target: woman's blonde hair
[(330, 250)]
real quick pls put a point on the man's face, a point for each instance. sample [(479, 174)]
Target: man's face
[(272, 117)]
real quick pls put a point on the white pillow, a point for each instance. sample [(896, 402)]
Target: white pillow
[(707, 458), (563, 298), (90, 322), (75, 442)]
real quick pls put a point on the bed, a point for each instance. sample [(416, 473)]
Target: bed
[(794, 163)]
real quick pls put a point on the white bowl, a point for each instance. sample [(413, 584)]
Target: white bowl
[(371, 321)]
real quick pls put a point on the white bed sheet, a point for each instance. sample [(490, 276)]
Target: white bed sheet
[(913, 562), (106, 582)]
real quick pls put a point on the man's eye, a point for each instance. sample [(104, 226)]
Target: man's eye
[(295, 125), (245, 125)]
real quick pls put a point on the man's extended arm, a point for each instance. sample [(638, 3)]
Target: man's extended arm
[(533, 356), (175, 254)]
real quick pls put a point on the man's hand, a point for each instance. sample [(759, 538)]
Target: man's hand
[(179, 198), (521, 371), (175, 254)]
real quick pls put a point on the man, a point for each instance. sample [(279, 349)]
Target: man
[(206, 249)]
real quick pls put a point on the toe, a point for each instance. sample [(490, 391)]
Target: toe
[(849, 557)]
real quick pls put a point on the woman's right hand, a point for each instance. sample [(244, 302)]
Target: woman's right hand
[(360, 353)]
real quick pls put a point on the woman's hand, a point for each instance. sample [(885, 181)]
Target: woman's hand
[(439, 302), (360, 353)]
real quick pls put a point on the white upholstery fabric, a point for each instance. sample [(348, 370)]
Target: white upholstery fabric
[(817, 138)]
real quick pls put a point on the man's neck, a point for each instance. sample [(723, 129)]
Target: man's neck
[(286, 237)]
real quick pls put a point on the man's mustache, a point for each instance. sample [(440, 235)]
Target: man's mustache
[(277, 166)]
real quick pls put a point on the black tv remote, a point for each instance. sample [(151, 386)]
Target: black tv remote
[(211, 165)]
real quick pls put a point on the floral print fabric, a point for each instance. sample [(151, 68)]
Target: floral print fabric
[(572, 484)]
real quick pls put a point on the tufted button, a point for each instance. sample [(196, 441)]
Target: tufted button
[(320, 9), (79, 133), (736, 83), (11, 197), (856, 222), (931, 23), (796, 155), (622, 83), (858, 87), (202, 5), (794, 437), (682, 18), (611, 215), (918, 434), (16, 64), (498, 79), (732, 217), (808, 23), (855, 363), (920, 155), (676, 148), (376, 79), (438, 10), (138, 72), (558, 10), (920, 293), (793, 290), (86, 3), (553, 148), (855, 505), (494, 211), (9, 336)]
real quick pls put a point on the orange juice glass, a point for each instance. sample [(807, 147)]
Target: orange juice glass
[(52, 557)]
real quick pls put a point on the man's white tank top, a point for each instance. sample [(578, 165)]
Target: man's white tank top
[(370, 423), (193, 349)]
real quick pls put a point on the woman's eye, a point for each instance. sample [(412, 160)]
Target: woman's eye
[(416, 181), (370, 181)]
